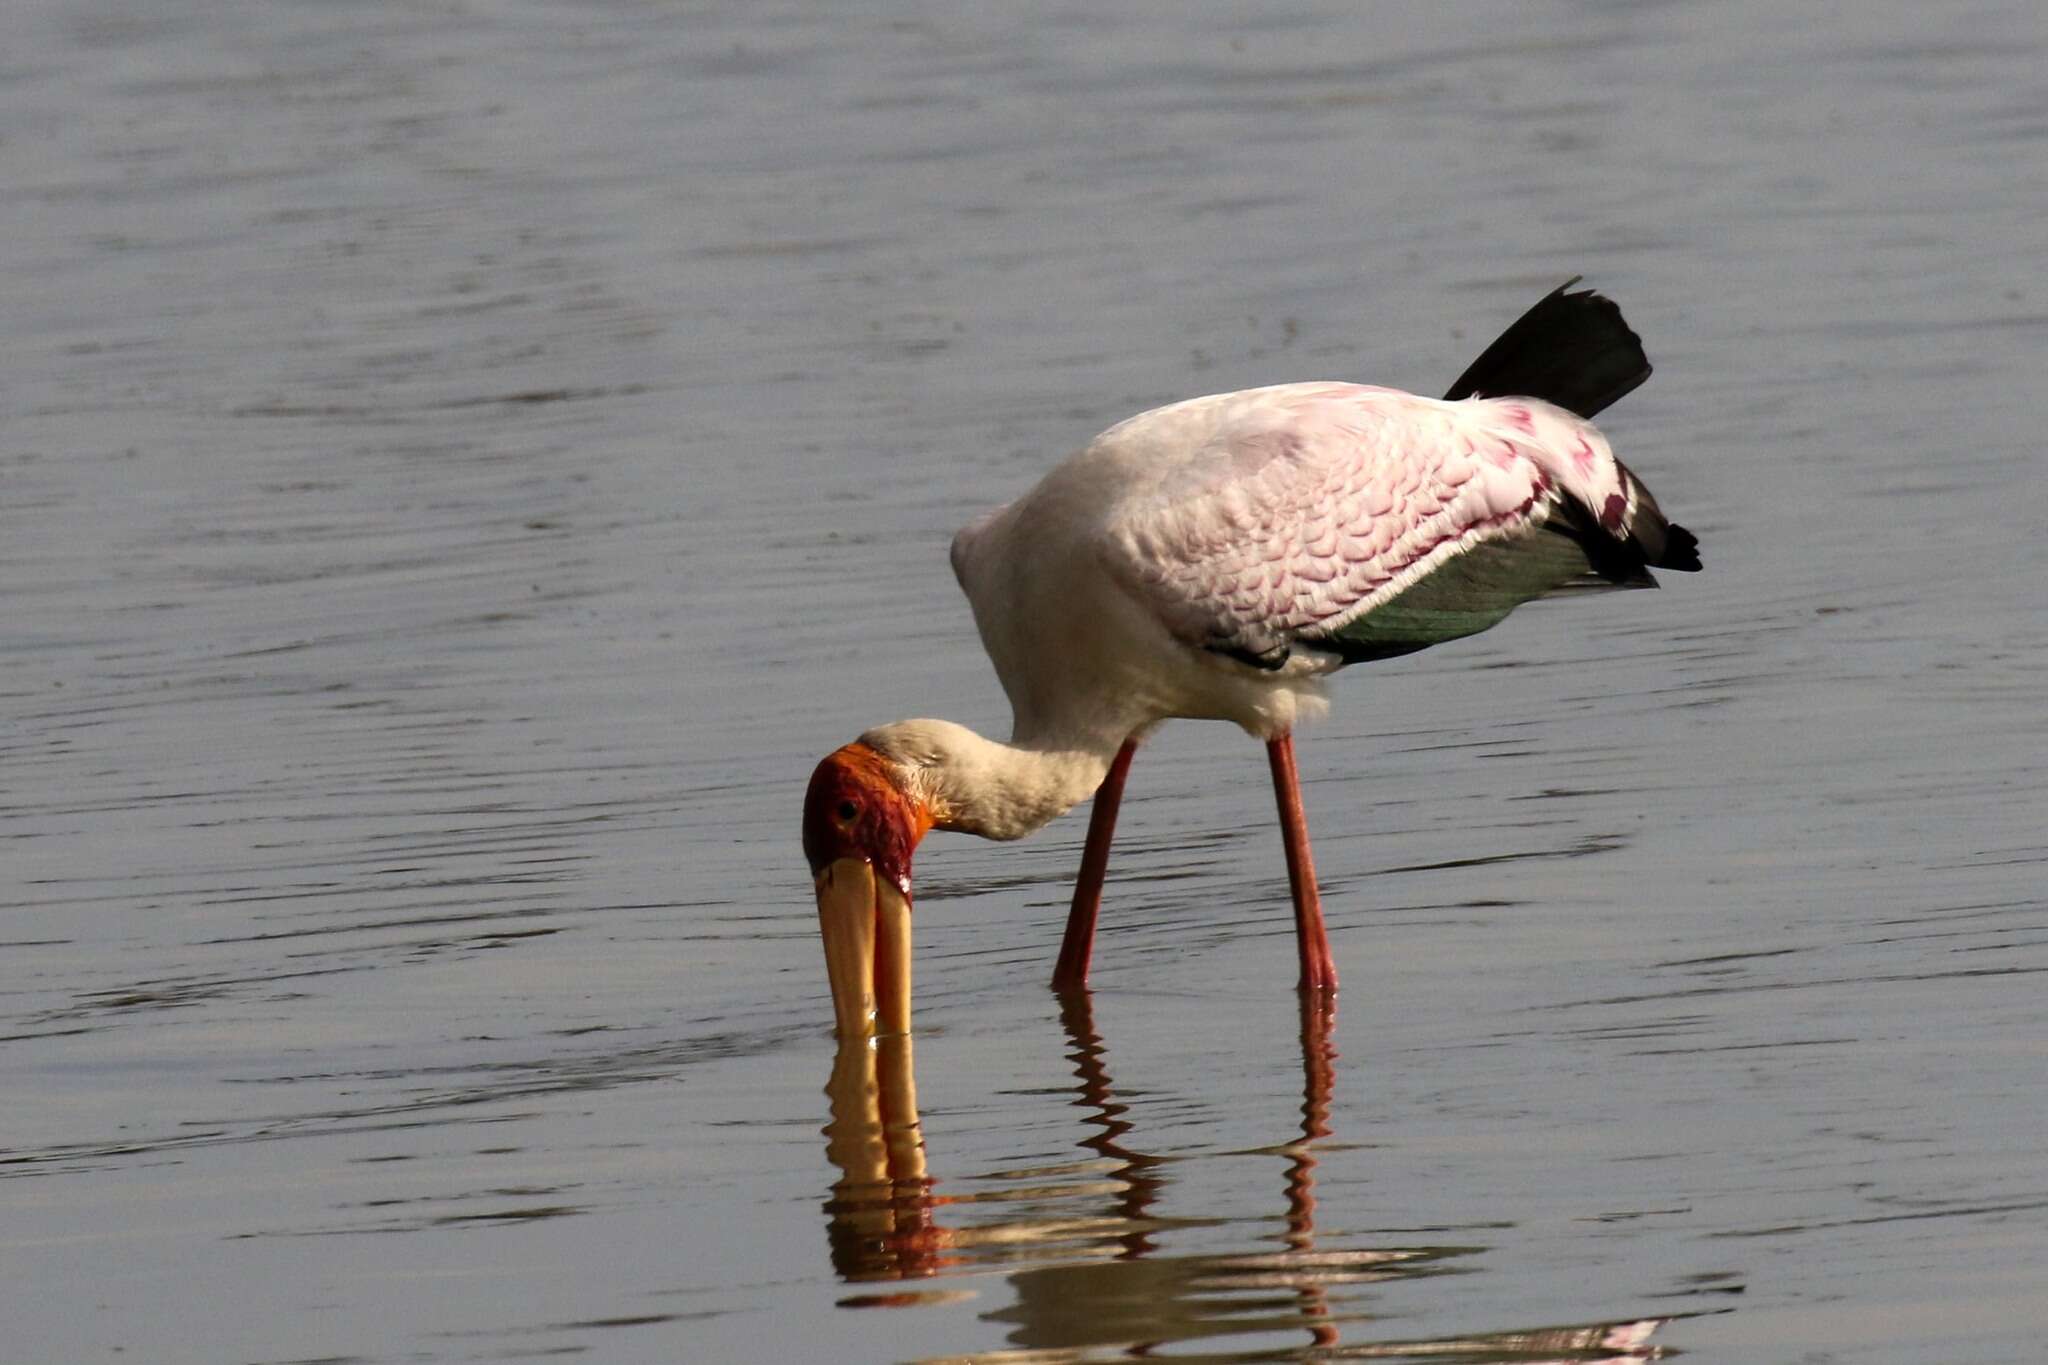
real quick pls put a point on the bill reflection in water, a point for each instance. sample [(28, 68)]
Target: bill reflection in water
[(1082, 1243)]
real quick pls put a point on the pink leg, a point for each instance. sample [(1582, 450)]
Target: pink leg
[(1318, 964), (1072, 972)]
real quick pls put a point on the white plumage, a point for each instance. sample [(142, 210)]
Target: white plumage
[(1128, 586), (1218, 558)]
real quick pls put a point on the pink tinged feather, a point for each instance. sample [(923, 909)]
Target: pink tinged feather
[(1501, 492), (1307, 500)]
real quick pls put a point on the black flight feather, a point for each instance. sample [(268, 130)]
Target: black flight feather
[(1573, 350)]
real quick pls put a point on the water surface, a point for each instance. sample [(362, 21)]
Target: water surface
[(465, 463)]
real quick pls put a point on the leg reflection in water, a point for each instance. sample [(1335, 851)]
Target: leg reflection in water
[(1084, 1245)]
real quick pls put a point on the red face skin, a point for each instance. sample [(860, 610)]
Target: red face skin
[(854, 809), (860, 829)]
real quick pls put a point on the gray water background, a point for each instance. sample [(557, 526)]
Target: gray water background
[(463, 463)]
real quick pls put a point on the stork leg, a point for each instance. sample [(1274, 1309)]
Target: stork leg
[(1072, 972), (1318, 964)]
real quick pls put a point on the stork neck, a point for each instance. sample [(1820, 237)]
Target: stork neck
[(1015, 791), (981, 786)]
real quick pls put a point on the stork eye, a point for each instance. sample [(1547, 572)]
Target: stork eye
[(849, 811)]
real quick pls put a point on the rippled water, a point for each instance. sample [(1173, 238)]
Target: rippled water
[(463, 463)]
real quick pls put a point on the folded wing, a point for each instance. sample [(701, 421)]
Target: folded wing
[(1333, 523)]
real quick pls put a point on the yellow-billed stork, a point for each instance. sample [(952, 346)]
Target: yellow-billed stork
[(1217, 559)]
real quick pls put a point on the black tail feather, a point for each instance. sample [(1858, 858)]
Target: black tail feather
[(1658, 543), (1573, 350), (1681, 550), (1620, 563), (1625, 560)]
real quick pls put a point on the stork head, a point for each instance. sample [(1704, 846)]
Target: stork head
[(862, 821)]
